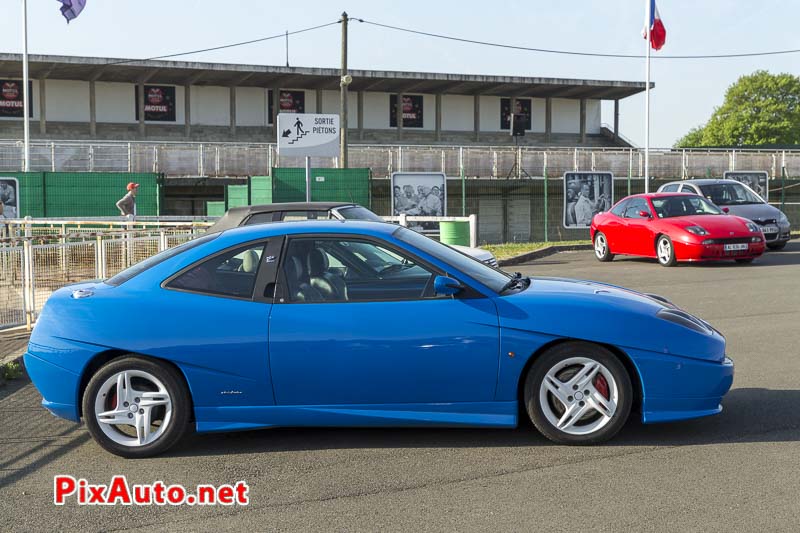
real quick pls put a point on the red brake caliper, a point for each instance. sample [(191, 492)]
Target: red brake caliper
[(601, 385)]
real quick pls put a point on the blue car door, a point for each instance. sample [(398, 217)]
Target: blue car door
[(355, 322)]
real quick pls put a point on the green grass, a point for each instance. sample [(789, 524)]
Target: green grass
[(511, 249)]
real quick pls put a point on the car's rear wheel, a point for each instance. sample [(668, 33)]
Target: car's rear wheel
[(136, 407), (665, 251), (578, 393), (777, 246), (601, 249)]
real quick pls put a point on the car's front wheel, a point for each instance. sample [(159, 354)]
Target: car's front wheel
[(665, 251), (136, 407), (601, 249), (578, 393)]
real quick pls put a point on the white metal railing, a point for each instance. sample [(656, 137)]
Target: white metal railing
[(254, 159)]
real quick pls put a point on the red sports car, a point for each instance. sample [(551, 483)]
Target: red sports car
[(674, 227)]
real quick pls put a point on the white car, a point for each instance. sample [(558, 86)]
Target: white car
[(286, 212)]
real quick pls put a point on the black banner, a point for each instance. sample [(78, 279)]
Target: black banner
[(412, 110), (159, 103), (523, 108), (11, 98), (290, 102)]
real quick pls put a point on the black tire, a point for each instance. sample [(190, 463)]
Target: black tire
[(602, 253), (181, 406), (777, 246), (670, 259), (555, 356), (745, 261)]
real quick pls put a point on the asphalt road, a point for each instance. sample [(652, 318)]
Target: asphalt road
[(736, 471)]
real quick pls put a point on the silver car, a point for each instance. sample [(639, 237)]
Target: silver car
[(738, 199)]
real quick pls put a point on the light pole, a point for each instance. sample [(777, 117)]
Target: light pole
[(26, 126), (344, 81)]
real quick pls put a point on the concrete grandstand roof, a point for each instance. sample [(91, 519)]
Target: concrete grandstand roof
[(226, 74)]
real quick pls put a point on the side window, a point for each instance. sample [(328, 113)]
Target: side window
[(261, 218), (634, 206), (689, 189), (231, 273), (289, 216), (672, 187), (619, 209), (338, 270)]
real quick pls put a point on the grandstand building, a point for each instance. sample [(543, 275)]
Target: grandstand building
[(96, 99)]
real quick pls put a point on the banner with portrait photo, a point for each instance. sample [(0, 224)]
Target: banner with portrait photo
[(419, 194), (9, 198), (755, 179), (412, 110), (290, 102), (11, 104), (585, 195), (522, 107), (159, 103)]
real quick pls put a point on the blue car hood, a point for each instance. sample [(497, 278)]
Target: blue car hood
[(604, 313)]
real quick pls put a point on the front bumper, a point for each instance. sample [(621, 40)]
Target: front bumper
[(677, 388), (717, 252)]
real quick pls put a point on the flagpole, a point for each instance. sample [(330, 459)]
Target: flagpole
[(26, 127), (647, 103)]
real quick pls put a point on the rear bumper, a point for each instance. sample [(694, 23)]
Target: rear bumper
[(58, 386)]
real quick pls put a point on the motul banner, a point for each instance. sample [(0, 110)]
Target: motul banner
[(412, 110), (11, 104), (159, 103)]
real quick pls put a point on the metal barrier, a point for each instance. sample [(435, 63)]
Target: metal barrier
[(252, 159)]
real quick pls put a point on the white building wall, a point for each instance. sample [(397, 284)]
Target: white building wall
[(330, 106), (251, 106), (490, 113), (376, 111), (211, 106), (114, 102), (66, 101), (458, 113), (566, 115), (594, 119), (539, 112)]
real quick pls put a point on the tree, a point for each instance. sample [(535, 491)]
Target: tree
[(759, 109)]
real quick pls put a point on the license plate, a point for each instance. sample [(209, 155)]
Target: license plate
[(769, 229), (735, 247)]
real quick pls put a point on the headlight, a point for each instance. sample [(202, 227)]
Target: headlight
[(783, 218), (753, 227), (682, 318), (697, 230)]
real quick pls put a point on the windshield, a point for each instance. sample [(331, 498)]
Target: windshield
[(152, 261), (682, 206), (357, 212), (493, 278), (729, 194)]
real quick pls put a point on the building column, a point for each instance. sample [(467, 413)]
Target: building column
[(438, 117), (319, 101), (233, 111), (42, 108), (476, 121), (187, 111), (360, 106), (616, 119), (276, 102), (92, 109), (399, 115), (583, 120), (140, 103), (548, 119)]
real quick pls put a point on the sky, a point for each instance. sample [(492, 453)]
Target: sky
[(686, 93)]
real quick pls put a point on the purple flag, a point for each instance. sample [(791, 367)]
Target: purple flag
[(72, 8)]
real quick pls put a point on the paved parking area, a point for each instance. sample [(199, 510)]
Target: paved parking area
[(738, 470)]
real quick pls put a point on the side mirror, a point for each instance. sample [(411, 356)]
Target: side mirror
[(444, 286), (726, 209), (645, 214)]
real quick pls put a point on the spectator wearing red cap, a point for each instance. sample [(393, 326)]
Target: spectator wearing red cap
[(127, 204)]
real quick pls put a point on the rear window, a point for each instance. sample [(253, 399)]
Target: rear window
[(358, 213), (160, 257)]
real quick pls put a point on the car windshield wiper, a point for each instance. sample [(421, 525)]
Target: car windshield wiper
[(517, 279)]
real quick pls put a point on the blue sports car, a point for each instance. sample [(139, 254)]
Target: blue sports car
[(361, 324)]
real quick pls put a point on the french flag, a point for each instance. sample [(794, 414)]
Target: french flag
[(658, 34)]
